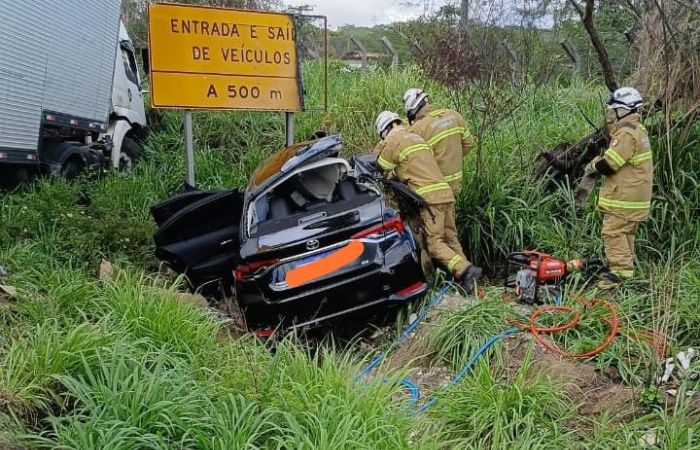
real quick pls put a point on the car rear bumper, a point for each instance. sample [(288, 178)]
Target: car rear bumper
[(393, 300), (397, 283)]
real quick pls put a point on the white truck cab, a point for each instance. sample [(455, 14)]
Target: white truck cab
[(127, 121)]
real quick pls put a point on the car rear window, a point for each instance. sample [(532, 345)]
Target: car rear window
[(273, 164)]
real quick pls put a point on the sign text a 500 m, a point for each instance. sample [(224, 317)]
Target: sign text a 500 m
[(218, 58)]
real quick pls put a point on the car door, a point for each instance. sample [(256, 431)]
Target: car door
[(198, 233)]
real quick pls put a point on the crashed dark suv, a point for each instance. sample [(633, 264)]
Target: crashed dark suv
[(311, 239)]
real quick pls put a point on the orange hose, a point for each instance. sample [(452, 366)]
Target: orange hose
[(537, 331)]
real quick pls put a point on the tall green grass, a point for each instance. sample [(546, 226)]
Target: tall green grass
[(147, 371), (122, 363), (483, 412)]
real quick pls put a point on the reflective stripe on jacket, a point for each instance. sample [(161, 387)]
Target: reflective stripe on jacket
[(410, 157), (627, 192)]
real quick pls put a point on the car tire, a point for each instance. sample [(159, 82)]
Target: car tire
[(130, 154)]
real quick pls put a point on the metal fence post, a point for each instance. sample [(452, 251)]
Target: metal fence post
[(288, 129), (392, 50), (573, 54), (363, 50)]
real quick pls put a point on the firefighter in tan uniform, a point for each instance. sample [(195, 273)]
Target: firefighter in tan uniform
[(408, 156), (444, 130), (625, 196)]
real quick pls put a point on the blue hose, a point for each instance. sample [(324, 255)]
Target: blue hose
[(412, 389), (468, 366), (434, 300), (557, 299), (437, 298), (410, 386)]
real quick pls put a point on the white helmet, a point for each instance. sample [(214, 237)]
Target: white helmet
[(625, 97), (413, 100), (384, 119)]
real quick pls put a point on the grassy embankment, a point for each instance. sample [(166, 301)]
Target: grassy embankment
[(121, 363)]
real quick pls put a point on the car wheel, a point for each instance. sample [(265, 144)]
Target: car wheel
[(130, 153)]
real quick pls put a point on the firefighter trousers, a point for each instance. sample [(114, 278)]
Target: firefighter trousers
[(618, 239), (442, 238)]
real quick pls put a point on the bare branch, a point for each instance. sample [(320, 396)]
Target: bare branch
[(578, 8), (633, 8), (603, 58)]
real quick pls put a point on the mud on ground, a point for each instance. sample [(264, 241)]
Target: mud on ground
[(594, 393)]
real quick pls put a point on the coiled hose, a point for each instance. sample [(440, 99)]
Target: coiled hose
[(414, 391)]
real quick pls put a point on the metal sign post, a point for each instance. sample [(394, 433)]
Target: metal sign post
[(189, 149), (288, 129)]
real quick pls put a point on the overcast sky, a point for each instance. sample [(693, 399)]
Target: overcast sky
[(365, 12)]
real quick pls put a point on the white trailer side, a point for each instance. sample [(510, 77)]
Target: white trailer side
[(56, 67)]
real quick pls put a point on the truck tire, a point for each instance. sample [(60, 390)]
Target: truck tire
[(72, 168), (130, 154)]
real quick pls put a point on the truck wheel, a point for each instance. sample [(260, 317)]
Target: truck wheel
[(131, 152), (72, 168), (22, 176)]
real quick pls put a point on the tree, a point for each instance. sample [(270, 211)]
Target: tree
[(464, 17), (586, 12)]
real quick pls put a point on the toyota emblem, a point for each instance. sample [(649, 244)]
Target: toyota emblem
[(312, 244)]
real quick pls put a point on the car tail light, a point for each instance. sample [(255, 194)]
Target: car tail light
[(394, 224), (244, 270), (3, 155), (412, 289)]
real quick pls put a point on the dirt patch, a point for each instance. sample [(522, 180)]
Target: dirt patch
[(594, 393), (431, 379), (415, 352), (192, 299)]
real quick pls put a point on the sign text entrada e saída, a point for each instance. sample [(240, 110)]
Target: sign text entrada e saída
[(217, 58)]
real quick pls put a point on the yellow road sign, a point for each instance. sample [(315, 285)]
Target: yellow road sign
[(216, 58)]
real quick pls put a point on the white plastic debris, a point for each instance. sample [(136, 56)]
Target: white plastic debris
[(8, 291), (685, 357), (648, 439), (412, 318), (668, 371), (377, 334)]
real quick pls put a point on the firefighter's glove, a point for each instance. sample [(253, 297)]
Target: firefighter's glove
[(590, 170), (584, 189), (586, 184)]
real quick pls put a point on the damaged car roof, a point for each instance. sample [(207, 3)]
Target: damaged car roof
[(291, 158)]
